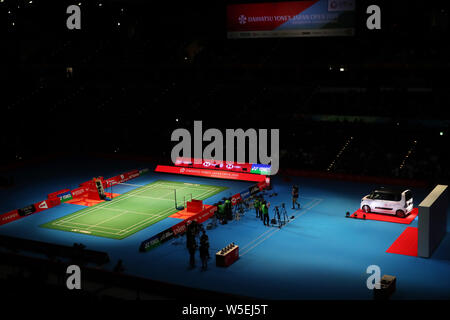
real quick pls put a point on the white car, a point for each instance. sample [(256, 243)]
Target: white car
[(398, 203)]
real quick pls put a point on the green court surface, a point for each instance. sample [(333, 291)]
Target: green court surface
[(134, 210)]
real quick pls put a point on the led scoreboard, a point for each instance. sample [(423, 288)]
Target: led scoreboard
[(263, 169)]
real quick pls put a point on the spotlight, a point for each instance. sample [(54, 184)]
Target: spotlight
[(364, 216), (355, 216), (347, 214)]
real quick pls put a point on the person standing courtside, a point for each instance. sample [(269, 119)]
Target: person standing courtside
[(256, 205), (295, 197), (265, 213), (191, 243), (204, 249)]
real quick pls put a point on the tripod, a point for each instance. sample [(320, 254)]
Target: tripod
[(284, 213), (277, 217)]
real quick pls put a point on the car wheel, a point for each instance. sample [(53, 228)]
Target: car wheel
[(366, 209), (400, 214)]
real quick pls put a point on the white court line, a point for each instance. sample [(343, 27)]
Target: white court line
[(146, 197), (131, 211), (109, 219), (129, 184), (137, 225), (267, 231), (106, 204), (275, 231), (149, 219), (85, 224), (152, 186), (211, 190)]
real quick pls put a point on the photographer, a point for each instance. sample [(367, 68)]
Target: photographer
[(257, 205), (295, 197)]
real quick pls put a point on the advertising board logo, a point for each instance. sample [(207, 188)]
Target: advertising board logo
[(245, 194), (182, 170), (179, 229), (242, 19), (43, 205)]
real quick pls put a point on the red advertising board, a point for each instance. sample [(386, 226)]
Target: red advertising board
[(202, 216), (9, 217), (218, 174), (79, 192), (46, 204), (213, 164), (235, 199), (55, 194)]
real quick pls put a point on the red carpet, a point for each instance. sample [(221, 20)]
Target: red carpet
[(406, 244), (386, 217), (184, 214)]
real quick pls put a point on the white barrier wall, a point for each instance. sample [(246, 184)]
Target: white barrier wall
[(432, 220)]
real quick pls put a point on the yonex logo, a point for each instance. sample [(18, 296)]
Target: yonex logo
[(242, 19)]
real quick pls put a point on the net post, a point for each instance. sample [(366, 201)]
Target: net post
[(175, 192)]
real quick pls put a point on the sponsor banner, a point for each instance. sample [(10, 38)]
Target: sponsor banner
[(254, 189), (259, 168), (307, 18), (79, 192), (46, 204), (235, 199), (213, 164), (53, 202), (217, 174), (132, 174), (245, 194), (57, 193), (204, 215), (9, 217), (124, 177), (25, 211), (65, 196), (112, 181), (177, 229), (262, 185), (41, 206), (151, 243)]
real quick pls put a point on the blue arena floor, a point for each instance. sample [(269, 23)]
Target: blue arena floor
[(318, 255)]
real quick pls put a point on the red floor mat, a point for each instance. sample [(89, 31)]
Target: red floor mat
[(406, 244), (386, 217), (83, 201), (184, 214)]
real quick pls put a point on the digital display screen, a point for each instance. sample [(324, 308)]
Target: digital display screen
[(317, 18)]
